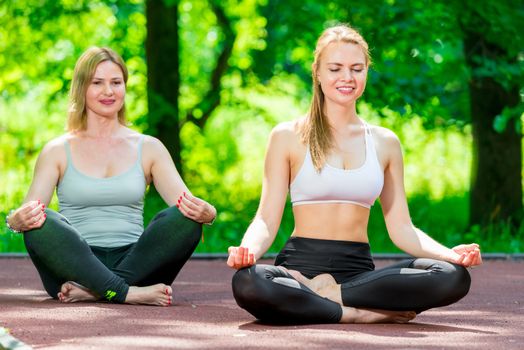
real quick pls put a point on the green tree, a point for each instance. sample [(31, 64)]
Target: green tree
[(163, 61), (163, 77), (493, 40)]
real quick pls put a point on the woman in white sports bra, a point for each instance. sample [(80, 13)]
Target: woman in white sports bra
[(335, 166), (96, 247)]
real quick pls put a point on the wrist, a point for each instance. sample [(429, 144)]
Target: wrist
[(214, 215), (451, 256), (9, 226), (214, 211)]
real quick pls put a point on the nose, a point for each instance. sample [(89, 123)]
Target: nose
[(347, 75), (108, 90)]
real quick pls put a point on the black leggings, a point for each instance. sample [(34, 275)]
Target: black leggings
[(60, 254), (272, 295)]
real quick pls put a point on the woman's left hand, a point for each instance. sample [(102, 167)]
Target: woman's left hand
[(196, 209), (469, 254)]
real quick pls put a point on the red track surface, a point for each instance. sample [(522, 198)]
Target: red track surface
[(205, 316)]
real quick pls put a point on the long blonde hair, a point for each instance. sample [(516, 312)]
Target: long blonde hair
[(84, 70), (316, 131)]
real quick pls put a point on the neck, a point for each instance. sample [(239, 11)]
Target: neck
[(340, 116), (102, 127)]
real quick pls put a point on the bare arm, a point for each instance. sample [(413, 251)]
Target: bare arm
[(262, 231), (30, 214), (396, 213), (170, 185)]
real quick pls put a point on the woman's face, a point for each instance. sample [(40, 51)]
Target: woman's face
[(106, 91), (342, 73)]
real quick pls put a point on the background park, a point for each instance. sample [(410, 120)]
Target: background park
[(211, 78)]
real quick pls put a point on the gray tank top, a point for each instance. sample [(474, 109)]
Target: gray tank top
[(107, 212)]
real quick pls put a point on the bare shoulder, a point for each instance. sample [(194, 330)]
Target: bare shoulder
[(387, 145), (285, 128), (53, 155), (287, 132), (153, 145), (153, 149), (152, 142), (55, 148), (384, 137)]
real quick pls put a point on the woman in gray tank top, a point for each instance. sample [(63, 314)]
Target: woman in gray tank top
[(96, 247)]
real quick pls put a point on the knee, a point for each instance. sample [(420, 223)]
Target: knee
[(51, 226), (250, 285), (460, 281), (173, 218), (53, 218), (455, 284), (243, 285), (174, 214)]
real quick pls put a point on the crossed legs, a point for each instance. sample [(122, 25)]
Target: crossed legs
[(326, 286), (393, 294), (71, 272)]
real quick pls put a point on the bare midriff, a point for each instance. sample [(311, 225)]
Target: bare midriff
[(334, 221)]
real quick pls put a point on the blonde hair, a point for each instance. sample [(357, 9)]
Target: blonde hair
[(316, 131), (84, 70)]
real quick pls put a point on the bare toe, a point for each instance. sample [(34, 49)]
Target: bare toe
[(158, 294), (71, 292), (405, 317)]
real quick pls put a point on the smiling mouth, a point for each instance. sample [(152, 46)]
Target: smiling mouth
[(345, 89)]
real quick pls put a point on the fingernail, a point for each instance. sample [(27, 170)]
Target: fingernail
[(177, 205), (45, 215)]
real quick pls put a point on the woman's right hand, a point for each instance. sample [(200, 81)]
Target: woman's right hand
[(239, 257), (29, 216)]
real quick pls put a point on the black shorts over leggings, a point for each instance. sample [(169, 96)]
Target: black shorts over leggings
[(272, 295)]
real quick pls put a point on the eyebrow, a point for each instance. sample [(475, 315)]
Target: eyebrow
[(340, 64), (114, 78)]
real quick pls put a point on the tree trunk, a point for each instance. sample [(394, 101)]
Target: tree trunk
[(163, 80), (496, 187)]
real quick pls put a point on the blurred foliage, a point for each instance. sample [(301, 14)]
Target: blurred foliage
[(417, 87)]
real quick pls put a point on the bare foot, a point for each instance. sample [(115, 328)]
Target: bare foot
[(353, 315), (157, 294), (72, 292), (316, 283), (324, 285)]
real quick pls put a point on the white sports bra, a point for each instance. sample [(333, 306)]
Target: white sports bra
[(359, 186)]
